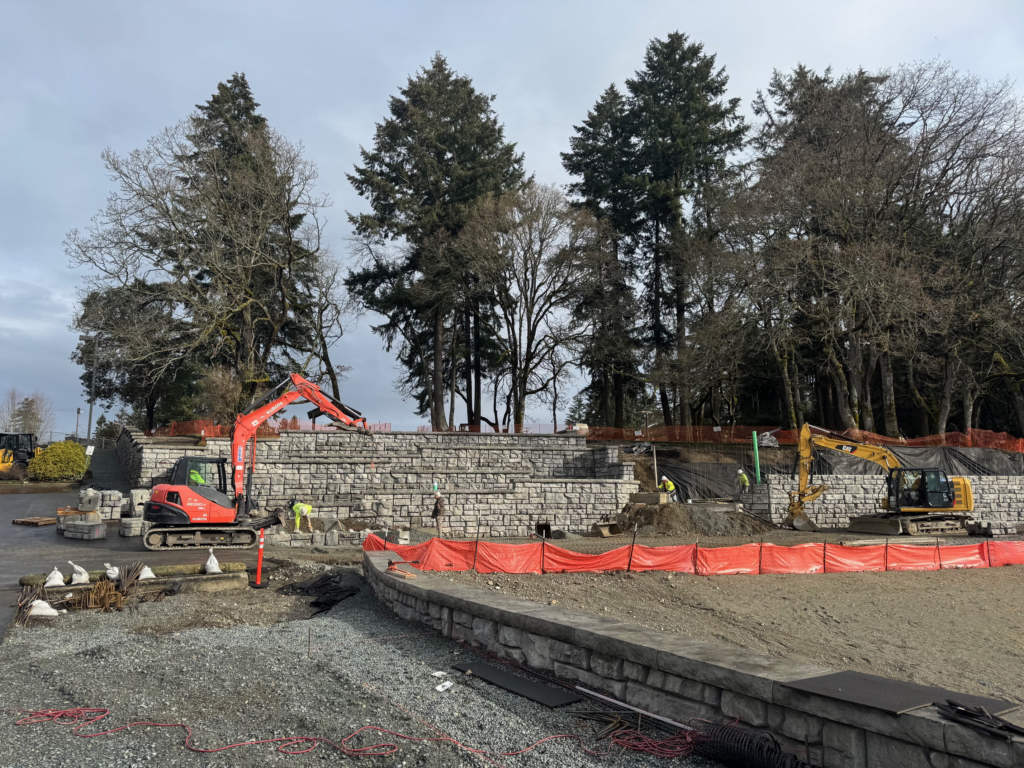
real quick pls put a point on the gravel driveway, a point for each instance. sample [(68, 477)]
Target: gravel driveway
[(247, 682)]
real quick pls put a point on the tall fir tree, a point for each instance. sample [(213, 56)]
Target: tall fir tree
[(440, 150)]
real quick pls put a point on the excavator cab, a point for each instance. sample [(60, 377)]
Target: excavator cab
[(204, 477), (917, 490)]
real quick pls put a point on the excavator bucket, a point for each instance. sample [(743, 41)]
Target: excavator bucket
[(801, 522), (796, 518)]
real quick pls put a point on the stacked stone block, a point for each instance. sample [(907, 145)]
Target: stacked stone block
[(499, 485)]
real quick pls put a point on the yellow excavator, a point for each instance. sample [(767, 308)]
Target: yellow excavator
[(917, 501), (16, 448)]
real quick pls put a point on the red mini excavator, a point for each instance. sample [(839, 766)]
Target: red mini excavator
[(195, 510)]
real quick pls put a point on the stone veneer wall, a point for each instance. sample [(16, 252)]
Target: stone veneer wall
[(996, 498), (506, 482), (681, 679)]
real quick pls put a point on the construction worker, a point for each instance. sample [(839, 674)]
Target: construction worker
[(438, 513), (667, 486), (744, 480), (195, 477), (301, 510)]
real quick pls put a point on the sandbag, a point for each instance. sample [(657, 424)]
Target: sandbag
[(41, 609), (80, 575), (113, 572), (212, 566), (55, 579), (146, 573)]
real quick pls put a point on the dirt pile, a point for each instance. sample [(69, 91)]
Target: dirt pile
[(693, 519)]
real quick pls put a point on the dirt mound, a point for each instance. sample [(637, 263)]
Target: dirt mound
[(693, 520)]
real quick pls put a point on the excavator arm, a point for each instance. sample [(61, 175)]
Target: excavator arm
[(246, 424)]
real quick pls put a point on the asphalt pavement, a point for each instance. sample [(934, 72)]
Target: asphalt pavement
[(26, 549)]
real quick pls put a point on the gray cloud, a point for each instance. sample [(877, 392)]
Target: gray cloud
[(81, 77)]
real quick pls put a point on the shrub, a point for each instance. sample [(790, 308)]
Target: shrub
[(58, 462)]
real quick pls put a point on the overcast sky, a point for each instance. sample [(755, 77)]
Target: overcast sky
[(78, 77)]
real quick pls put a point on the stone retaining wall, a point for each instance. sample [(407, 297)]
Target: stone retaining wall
[(996, 498), (502, 484), (682, 679)]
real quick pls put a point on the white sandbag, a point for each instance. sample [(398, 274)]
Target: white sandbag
[(41, 609), (146, 573), (80, 576), (112, 571), (55, 579), (212, 566)]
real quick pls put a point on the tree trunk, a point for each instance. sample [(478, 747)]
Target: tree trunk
[(798, 409), (867, 407), (470, 411), (856, 377), (620, 401), (151, 413), (888, 397), (842, 392), (968, 406), (659, 340), (787, 390), (947, 398), (477, 370), (325, 356), (437, 415)]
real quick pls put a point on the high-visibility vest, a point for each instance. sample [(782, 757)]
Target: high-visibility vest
[(667, 486), (196, 477)]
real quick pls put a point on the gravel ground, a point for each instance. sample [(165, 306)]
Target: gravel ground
[(956, 629), (253, 678)]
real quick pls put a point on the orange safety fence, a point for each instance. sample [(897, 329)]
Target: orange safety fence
[(540, 557), (974, 438)]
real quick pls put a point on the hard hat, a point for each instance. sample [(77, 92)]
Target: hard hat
[(437, 494), (664, 478), (739, 471)]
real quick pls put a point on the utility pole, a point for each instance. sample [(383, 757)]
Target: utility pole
[(78, 414), (92, 384)]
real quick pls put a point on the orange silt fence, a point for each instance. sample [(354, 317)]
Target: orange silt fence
[(750, 559)]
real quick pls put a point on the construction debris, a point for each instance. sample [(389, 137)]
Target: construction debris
[(35, 521), (327, 588), (979, 719)]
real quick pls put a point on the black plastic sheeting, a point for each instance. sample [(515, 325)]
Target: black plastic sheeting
[(954, 461), (718, 480)]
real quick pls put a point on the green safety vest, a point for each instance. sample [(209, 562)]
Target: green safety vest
[(744, 480), (196, 477), (668, 486), (302, 509)]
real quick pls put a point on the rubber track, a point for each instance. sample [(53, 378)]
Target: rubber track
[(226, 529)]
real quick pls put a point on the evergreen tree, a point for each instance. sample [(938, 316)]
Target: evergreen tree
[(439, 151)]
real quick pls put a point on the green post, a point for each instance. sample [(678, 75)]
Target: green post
[(757, 461)]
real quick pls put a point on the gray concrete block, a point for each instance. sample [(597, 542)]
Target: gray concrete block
[(881, 750), (616, 688), (607, 666), (668, 705), (751, 711), (845, 747)]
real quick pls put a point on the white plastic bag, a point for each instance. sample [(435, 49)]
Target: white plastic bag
[(146, 573), (55, 579), (113, 572), (212, 566), (80, 576), (41, 609)]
